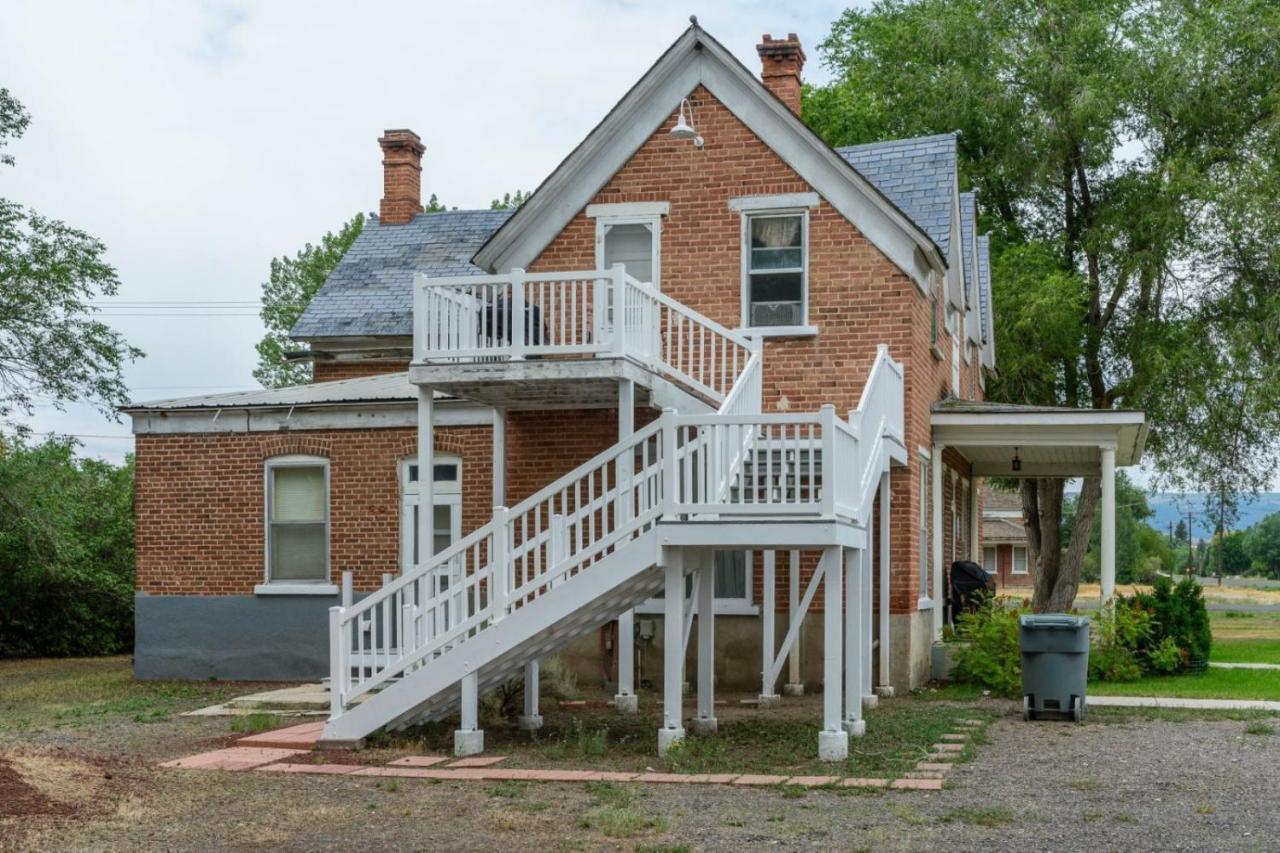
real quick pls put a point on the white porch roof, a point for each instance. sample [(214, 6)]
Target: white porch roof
[(1049, 441)]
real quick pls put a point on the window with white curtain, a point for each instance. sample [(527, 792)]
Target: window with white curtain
[(297, 520), (1019, 560), (775, 263), (989, 558)]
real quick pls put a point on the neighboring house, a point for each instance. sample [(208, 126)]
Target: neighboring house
[(708, 347), (1004, 540)]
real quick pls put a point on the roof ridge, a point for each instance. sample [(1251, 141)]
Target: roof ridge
[(953, 134)]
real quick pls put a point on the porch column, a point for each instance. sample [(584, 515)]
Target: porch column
[(469, 738), (672, 730), (975, 522), (935, 467), (869, 697), (426, 465), (853, 641), (768, 636), (794, 685), (833, 740), (884, 689), (626, 700), (1108, 538), (704, 722)]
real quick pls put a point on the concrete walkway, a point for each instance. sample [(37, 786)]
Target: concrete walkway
[(1173, 702), (1225, 665)]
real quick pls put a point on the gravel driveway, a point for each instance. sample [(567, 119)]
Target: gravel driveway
[(1141, 784)]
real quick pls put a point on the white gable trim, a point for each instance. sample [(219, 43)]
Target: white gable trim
[(629, 209), (695, 58), (773, 202)]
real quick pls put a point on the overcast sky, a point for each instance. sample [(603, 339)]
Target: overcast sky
[(198, 140)]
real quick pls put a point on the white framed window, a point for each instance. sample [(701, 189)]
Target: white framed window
[(732, 575), (633, 240), (446, 512), (1019, 560), (989, 559), (775, 271), (296, 520), (926, 498)]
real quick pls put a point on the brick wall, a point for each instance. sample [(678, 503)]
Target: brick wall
[(328, 371), (199, 503), (857, 297)]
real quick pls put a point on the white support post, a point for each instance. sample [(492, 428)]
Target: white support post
[(499, 457), (516, 332), (975, 522), (833, 740), (337, 664), (768, 636), (704, 723), (672, 730), (469, 738), (348, 592), (794, 685), (853, 642), (885, 688), (626, 701), (1108, 537), (426, 464), (619, 286), (869, 697), (499, 590), (827, 417), (935, 465), (531, 720)]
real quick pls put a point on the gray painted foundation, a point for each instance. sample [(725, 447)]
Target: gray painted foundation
[(232, 637)]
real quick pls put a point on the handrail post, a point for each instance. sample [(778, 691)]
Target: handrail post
[(670, 486), (498, 588), (419, 318), (348, 595), (618, 272), (827, 416), (518, 320), (556, 548), (336, 680)]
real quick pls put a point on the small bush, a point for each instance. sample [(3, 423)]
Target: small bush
[(992, 656), (1115, 655)]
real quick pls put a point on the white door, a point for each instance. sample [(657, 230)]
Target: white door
[(446, 519)]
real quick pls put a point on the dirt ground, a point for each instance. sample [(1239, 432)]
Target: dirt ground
[(1134, 782)]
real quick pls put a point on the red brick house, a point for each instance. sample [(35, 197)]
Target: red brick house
[(1004, 541), (711, 366)]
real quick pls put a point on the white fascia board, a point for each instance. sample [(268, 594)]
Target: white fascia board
[(782, 201), (629, 209), (284, 419), (696, 58)]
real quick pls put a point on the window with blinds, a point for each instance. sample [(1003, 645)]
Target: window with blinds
[(298, 522)]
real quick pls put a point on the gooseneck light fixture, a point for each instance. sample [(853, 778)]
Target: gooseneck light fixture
[(684, 126), (1017, 463)]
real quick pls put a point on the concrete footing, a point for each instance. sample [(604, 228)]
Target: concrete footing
[(468, 742), (702, 726), (793, 690), (833, 746), (767, 700), (855, 728), (626, 703), (871, 700), (668, 738), (885, 692), (530, 722)]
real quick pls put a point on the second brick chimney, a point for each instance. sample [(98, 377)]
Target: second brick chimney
[(781, 61), (401, 176)]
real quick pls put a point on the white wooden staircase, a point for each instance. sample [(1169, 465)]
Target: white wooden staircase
[(591, 545)]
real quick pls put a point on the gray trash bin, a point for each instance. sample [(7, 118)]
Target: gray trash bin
[(1055, 665)]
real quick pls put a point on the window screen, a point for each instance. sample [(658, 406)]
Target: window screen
[(297, 524), (775, 270), (632, 246)]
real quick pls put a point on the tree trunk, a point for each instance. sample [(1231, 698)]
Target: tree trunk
[(1057, 571)]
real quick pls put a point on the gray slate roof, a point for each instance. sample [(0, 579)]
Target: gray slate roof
[(370, 292), (916, 175), (984, 285)]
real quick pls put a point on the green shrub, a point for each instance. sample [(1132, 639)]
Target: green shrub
[(991, 656), (1117, 639), (1178, 615), (1165, 657)]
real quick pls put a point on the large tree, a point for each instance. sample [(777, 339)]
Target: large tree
[(51, 347), (1127, 161)]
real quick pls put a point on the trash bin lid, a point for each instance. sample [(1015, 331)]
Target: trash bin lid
[(1053, 621)]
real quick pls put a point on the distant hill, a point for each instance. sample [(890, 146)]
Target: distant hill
[(1169, 507)]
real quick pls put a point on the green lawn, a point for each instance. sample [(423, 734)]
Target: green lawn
[(1212, 684), (1241, 637)]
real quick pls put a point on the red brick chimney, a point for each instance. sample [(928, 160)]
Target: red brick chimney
[(401, 176), (781, 61)]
